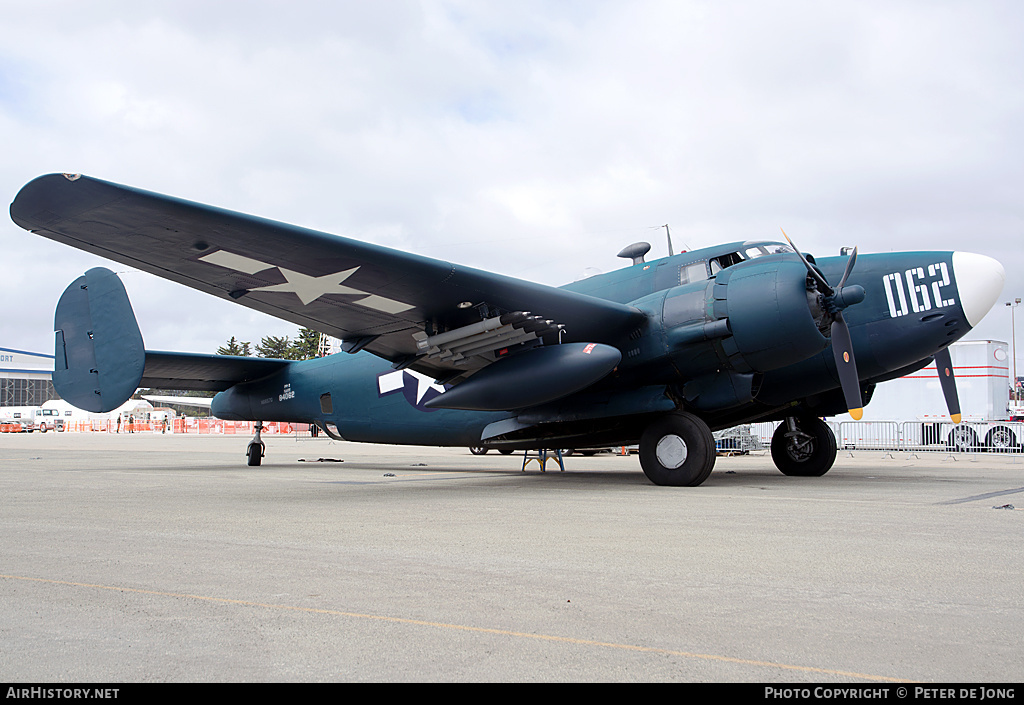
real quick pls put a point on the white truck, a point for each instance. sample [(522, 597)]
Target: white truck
[(33, 418), (916, 409)]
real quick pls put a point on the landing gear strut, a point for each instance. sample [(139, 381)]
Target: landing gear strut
[(257, 448), (677, 450), (804, 447)]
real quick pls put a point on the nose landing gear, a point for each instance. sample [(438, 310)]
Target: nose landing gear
[(804, 447)]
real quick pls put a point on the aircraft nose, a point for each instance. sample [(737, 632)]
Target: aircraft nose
[(979, 279)]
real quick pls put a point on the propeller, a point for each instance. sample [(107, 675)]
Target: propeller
[(834, 301), (944, 366)]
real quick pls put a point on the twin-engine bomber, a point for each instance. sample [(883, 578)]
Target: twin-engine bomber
[(659, 353)]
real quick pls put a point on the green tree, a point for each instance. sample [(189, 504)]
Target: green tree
[(306, 345), (275, 346), (234, 347)]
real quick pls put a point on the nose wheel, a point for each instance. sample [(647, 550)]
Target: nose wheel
[(257, 448), (804, 447)]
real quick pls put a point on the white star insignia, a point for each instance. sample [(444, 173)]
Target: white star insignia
[(307, 288), (425, 383)]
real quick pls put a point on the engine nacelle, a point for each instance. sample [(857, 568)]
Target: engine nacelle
[(755, 316), (775, 320)]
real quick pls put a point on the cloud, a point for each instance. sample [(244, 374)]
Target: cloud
[(532, 139)]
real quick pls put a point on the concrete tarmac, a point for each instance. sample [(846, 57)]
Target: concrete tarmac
[(151, 558)]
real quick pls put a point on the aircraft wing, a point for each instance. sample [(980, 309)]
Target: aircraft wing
[(372, 297)]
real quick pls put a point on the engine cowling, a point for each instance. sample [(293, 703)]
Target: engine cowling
[(751, 318), (775, 318)]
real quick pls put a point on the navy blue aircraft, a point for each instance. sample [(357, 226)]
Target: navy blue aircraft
[(658, 353)]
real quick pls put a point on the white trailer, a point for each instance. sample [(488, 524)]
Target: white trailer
[(915, 404)]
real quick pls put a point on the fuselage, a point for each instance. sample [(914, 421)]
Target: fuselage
[(726, 346)]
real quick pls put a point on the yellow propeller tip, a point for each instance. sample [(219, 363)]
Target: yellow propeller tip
[(858, 413), (955, 418)]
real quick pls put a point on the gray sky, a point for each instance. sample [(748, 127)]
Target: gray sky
[(535, 139)]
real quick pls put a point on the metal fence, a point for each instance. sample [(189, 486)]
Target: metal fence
[(890, 436), (188, 425), (918, 436)]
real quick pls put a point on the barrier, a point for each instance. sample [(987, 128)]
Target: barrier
[(890, 436), (969, 437), (764, 431), (187, 425), (917, 436), (868, 435)]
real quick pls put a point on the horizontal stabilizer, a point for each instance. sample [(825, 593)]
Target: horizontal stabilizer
[(198, 402), (99, 355), (213, 373)]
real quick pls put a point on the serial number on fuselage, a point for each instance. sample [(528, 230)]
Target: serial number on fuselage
[(909, 291)]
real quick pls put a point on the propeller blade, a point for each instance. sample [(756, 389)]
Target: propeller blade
[(826, 290), (849, 268), (944, 365), (846, 365), (842, 344)]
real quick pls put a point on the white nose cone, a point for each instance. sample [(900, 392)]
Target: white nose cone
[(979, 279)]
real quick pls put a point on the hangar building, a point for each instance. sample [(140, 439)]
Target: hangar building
[(25, 378)]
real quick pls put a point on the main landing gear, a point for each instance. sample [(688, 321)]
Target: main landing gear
[(804, 446), (677, 450), (257, 448)]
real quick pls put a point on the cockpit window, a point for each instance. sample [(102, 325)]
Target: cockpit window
[(698, 271), (722, 261), (768, 248)]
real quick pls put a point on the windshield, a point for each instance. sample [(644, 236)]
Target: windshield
[(766, 248)]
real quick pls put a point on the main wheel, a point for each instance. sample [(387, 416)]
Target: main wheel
[(677, 450), (809, 451), (478, 450), (255, 454)]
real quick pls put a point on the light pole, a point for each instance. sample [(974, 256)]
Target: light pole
[(1013, 345)]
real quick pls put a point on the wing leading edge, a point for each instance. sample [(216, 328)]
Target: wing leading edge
[(372, 297)]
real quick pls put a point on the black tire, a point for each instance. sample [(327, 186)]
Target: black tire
[(478, 450), (810, 454), (506, 451), (677, 450), (962, 439), (1001, 440), (254, 453)]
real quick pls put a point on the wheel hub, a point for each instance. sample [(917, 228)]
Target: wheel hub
[(800, 446), (1001, 438), (671, 451)]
